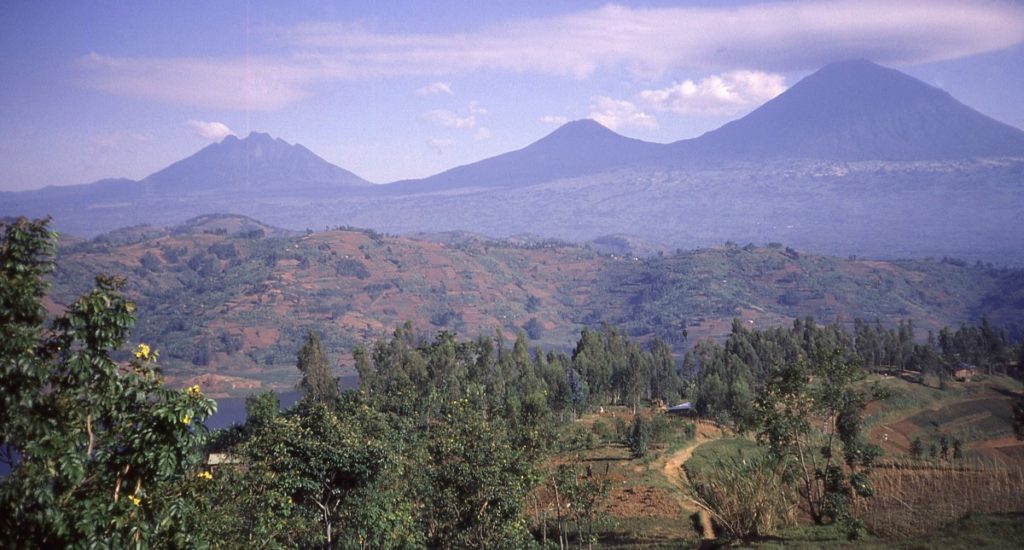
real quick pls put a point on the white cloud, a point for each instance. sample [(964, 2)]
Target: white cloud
[(448, 119), (650, 42), (214, 131), (436, 88), (440, 144), (552, 119), (716, 95), (777, 35), (482, 134), (618, 113), (476, 109), (257, 84)]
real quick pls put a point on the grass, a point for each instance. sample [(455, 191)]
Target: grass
[(707, 453), (911, 500), (967, 533)]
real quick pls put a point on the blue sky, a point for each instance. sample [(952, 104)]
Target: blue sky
[(394, 90)]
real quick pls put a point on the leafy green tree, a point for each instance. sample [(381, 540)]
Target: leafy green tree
[(476, 483), (245, 507), (317, 384), (101, 452), (330, 464), (260, 409), (581, 496), (809, 415)]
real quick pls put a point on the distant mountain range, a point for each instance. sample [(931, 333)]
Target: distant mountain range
[(854, 159)]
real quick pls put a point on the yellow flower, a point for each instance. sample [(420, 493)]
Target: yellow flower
[(194, 390), (142, 352), (186, 419), (135, 500), (205, 475)]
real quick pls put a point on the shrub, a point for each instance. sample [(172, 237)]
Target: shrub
[(348, 267), (603, 431), (638, 438)]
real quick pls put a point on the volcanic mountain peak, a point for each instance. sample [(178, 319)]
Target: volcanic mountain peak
[(858, 110), (257, 161), (577, 148)]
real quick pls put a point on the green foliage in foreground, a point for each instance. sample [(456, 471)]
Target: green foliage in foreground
[(101, 453)]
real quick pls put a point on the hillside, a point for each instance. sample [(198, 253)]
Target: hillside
[(230, 297)]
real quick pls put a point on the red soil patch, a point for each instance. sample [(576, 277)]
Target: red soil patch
[(259, 337), (644, 502), (219, 385)]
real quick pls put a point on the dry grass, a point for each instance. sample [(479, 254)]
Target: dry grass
[(912, 499)]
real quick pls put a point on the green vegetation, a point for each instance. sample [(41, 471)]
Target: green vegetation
[(454, 443), (101, 453), (229, 296), (809, 415)]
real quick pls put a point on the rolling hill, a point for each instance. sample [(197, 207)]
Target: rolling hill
[(227, 297)]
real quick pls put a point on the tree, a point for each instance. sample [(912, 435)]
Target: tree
[(809, 414), (638, 438), (318, 384), (916, 448), (101, 452), (260, 409), (1018, 418), (331, 465), (476, 484)]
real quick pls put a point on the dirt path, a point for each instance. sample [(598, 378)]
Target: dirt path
[(673, 472)]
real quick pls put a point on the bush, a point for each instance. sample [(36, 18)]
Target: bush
[(603, 431), (223, 251), (638, 438), (348, 267), (578, 438)]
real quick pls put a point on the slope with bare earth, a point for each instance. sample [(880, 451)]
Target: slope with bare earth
[(978, 413), (226, 295)]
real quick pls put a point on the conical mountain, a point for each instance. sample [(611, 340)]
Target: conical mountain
[(857, 110), (576, 148), (257, 162)]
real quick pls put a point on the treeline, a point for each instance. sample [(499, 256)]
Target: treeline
[(722, 379), (439, 447), (408, 375)]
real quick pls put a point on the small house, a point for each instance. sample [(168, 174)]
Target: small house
[(682, 409), (963, 372)]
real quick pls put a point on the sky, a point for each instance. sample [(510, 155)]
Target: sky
[(393, 90)]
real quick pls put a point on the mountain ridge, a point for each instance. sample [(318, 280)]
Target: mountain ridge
[(788, 173), (576, 148)]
